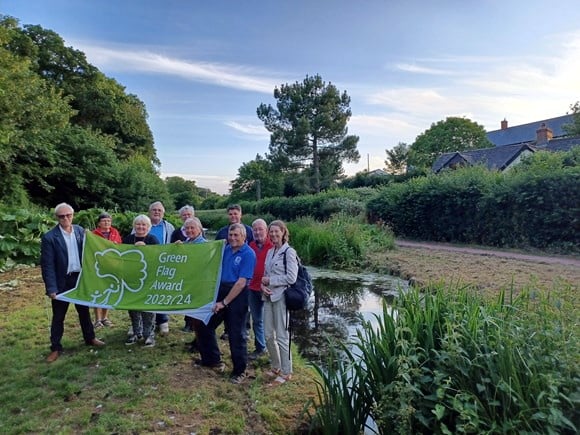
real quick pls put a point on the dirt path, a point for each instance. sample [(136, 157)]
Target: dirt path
[(572, 261)]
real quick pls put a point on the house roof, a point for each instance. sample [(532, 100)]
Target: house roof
[(527, 132), (493, 158), (561, 144)]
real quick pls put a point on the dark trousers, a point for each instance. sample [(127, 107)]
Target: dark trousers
[(235, 316), (59, 310)]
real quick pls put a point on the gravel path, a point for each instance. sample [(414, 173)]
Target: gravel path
[(572, 261)]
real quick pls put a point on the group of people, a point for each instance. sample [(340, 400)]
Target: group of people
[(258, 265)]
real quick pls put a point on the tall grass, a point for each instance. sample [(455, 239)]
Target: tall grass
[(450, 362), (341, 242)]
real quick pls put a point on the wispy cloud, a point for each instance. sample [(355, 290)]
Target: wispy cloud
[(146, 61), (256, 131), (416, 69)]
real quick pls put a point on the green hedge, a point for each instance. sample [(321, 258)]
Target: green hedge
[(473, 205)]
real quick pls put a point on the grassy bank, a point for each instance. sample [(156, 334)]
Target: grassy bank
[(120, 389)]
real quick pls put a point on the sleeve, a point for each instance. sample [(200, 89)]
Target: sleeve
[(47, 261), (291, 270), (248, 264)]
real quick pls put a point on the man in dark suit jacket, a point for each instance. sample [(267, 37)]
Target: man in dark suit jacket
[(60, 262)]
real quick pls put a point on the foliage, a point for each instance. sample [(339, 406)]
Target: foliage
[(183, 192), (453, 134), (20, 233), (450, 362), (342, 242), (537, 207), (397, 158), (574, 128), (256, 179), (308, 129)]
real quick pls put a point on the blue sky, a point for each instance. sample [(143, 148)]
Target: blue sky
[(203, 67)]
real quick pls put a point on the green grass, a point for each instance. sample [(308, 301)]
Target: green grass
[(129, 389)]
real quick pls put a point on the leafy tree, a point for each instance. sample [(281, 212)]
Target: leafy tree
[(309, 122), (256, 179), (453, 134), (183, 192), (32, 114), (85, 174), (139, 186), (397, 158), (573, 129)]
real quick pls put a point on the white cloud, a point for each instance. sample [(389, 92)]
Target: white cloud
[(129, 60), (256, 131), (416, 69)]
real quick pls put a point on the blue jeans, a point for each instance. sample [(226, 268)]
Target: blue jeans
[(235, 315), (257, 312)]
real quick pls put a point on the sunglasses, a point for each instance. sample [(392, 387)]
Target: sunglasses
[(62, 216)]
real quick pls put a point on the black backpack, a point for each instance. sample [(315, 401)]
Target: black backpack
[(297, 294)]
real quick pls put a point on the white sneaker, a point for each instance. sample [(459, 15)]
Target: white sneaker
[(130, 331), (149, 342), (164, 328)]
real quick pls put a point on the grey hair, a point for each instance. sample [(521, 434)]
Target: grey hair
[(260, 221), (153, 204), (142, 218), (186, 208), (240, 227), (62, 205), (195, 221)]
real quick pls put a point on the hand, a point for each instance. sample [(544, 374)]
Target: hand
[(218, 307), (52, 295), (265, 280), (179, 242), (266, 290), (140, 243)]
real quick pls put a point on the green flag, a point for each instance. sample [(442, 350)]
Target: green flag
[(173, 279)]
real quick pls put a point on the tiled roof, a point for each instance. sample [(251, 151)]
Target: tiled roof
[(493, 158), (527, 132), (561, 144)]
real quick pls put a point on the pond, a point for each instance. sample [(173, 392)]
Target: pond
[(341, 301)]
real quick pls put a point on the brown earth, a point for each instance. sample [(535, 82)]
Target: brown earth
[(486, 269)]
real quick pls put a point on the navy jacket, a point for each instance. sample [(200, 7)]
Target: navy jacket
[(54, 258)]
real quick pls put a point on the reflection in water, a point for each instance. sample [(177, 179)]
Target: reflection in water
[(341, 300)]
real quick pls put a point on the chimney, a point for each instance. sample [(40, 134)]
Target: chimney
[(543, 134), (504, 124)]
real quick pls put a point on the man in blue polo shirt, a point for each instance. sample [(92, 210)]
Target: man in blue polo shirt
[(238, 265)]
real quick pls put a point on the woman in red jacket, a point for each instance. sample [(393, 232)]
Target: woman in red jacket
[(106, 231)]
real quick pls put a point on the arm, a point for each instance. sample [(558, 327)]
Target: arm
[(291, 271), (47, 265), (234, 292)]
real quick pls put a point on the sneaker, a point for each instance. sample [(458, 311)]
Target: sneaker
[(150, 341), (164, 328), (132, 340), (256, 354), (98, 324), (107, 323), (238, 379), (130, 331)]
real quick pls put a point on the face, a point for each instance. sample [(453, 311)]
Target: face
[(156, 214), (234, 216), (260, 232), (141, 229), (276, 235), (65, 217), (192, 231), (185, 215), (105, 224), (235, 238)]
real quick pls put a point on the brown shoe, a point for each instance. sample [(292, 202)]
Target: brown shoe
[(53, 356), (96, 342)]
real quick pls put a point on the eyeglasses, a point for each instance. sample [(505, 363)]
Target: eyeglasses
[(62, 216)]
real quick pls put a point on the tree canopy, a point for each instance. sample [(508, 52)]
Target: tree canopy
[(309, 130), (68, 132), (396, 161), (573, 129), (452, 134)]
